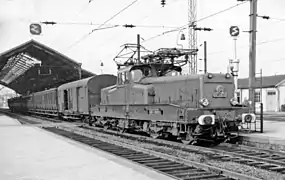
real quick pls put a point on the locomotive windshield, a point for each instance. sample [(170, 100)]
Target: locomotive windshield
[(136, 75)]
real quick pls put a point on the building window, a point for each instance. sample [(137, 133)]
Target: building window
[(257, 96), (238, 97), (272, 93)]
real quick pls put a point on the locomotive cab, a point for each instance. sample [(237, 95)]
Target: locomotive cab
[(133, 74)]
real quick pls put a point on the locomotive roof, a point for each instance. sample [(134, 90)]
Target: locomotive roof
[(170, 78), (181, 78)]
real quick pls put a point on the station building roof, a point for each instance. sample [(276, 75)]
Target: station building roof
[(32, 67), (264, 82)]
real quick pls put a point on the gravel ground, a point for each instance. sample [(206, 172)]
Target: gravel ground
[(232, 166)]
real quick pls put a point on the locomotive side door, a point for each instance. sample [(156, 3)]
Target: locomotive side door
[(127, 92)]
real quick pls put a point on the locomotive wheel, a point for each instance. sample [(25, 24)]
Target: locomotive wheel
[(105, 127), (188, 139), (154, 135), (122, 130)]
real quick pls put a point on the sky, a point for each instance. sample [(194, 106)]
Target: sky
[(104, 45)]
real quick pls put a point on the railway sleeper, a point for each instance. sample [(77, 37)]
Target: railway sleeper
[(145, 159), (278, 158), (265, 166), (204, 176), (149, 161), (172, 168), (253, 163), (185, 172), (278, 169)]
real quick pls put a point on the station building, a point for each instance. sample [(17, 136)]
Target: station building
[(270, 90)]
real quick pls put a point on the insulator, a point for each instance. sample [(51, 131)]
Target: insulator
[(162, 2)]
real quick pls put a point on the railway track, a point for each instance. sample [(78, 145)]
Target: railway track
[(168, 165), (257, 158), (260, 158)]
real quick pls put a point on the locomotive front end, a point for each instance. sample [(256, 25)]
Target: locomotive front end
[(221, 113)]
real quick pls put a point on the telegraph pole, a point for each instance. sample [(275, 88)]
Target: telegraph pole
[(252, 53), (205, 57), (138, 47)]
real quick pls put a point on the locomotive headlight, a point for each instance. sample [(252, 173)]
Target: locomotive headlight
[(228, 76), (248, 118), (206, 120), (204, 102), (233, 101), (210, 76)]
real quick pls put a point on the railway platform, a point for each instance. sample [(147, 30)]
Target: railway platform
[(29, 152), (273, 135)]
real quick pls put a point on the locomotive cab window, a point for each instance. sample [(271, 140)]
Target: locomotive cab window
[(123, 78), (119, 78), (136, 75), (127, 79)]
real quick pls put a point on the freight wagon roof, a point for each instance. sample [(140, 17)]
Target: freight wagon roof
[(20, 69), (82, 82), (94, 84), (45, 91)]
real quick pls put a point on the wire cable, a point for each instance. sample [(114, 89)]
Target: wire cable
[(85, 36), (257, 44), (185, 26), (91, 24), (75, 15)]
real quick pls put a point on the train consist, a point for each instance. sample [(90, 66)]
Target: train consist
[(149, 96)]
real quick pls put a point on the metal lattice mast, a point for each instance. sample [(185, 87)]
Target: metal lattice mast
[(192, 18)]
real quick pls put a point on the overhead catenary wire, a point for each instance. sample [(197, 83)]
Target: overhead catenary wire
[(78, 13), (186, 25), (138, 21), (245, 46), (85, 36), (92, 24)]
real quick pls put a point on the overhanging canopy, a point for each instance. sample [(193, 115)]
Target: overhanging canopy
[(32, 67)]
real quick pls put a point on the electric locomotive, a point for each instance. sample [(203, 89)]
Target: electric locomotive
[(153, 97)]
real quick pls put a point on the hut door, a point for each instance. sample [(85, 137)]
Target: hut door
[(82, 100), (77, 99), (65, 99)]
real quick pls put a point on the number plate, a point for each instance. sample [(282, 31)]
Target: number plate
[(220, 95)]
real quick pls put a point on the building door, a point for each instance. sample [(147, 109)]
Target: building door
[(271, 101)]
